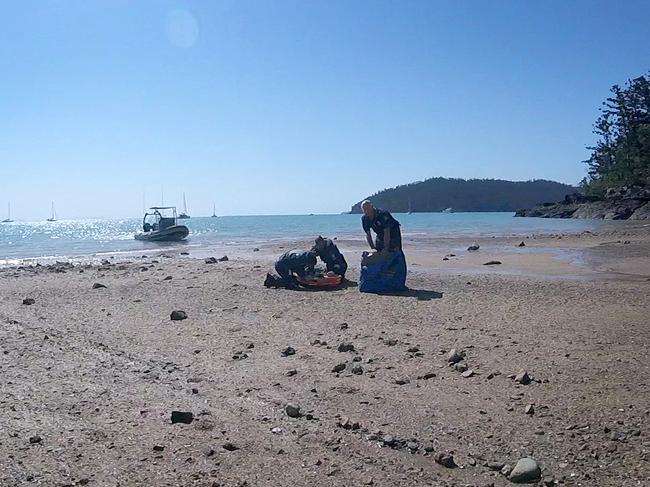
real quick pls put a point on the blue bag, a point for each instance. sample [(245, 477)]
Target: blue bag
[(384, 277)]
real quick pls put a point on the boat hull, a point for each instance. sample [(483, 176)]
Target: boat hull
[(169, 234)]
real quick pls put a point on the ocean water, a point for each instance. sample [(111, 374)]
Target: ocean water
[(96, 238)]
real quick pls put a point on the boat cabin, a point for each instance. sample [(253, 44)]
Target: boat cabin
[(161, 218)]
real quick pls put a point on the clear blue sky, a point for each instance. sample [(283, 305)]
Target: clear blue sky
[(297, 106)]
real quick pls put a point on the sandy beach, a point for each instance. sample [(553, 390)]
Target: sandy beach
[(91, 374)]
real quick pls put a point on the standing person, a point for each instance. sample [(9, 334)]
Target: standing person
[(387, 229)]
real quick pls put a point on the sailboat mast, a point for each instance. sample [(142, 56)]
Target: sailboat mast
[(184, 204)]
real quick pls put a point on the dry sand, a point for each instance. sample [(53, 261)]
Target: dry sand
[(90, 376)]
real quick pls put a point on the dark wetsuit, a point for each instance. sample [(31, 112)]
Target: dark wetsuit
[(293, 262), (379, 223), (331, 255)]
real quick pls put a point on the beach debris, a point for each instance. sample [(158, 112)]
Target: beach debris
[(292, 411), (526, 470), (450, 255), (445, 258), (445, 459), (461, 367), (178, 315), (182, 417), (522, 244), (277, 430), (211, 260), (29, 301), (468, 373), (530, 409), (35, 439), (346, 347), (522, 377), (256, 249), (185, 253), (98, 285), (230, 447), (455, 356), (223, 259), (357, 370), (339, 368), (427, 376), (493, 262), (348, 424), (288, 351), (474, 247)]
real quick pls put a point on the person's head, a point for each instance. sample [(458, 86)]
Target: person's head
[(319, 244), (368, 209), (312, 258)]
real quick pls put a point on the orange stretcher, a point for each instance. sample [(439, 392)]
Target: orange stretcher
[(327, 281)]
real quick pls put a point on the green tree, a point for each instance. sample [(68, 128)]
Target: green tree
[(621, 156)]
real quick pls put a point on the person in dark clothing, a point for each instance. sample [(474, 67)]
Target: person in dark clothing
[(292, 264), (387, 229), (330, 254)]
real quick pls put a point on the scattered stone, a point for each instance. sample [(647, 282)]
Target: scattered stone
[(493, 262), (256, 249), (391, 342), (412, 445), (506, 470), (445, 258), (98, 285), (526, 470), (530, 409), (182, 417), (230, 447), (185, 253), (357, 370), (291, 373), (158, 448), (292, 411), (522, 377), (339, 368), (168, 278), (277, 430), (288, 351), (460, 367), (548, 481), (346, 347), (223, 259), (348, 424), (178, 315), (211, 260), (495, 466), (29, 301), (401, 382), (468, 373), (427, 376), (413, 350), (522, 244), (473, 248), (35, 439), (343, 326), (357, 359), (445, 459), (454, 356)]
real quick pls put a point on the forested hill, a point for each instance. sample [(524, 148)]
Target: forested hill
[(437, 194)]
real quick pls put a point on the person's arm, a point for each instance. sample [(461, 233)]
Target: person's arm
[(370, 242), (386, 239)]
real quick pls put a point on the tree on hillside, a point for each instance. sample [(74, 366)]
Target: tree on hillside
[(621, 156)]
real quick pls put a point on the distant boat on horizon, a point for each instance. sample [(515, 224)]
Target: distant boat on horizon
[(183, 215), (214, 211), (8, 219), (448, 210), (53, 217)]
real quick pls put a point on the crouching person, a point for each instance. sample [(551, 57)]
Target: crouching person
[(290, 266), (330, 254)]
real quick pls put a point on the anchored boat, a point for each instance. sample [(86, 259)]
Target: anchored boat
[(161, 226)]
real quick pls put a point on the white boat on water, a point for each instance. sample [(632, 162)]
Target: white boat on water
[(183, 215), (8, 219), (53, 217), (447, 210)]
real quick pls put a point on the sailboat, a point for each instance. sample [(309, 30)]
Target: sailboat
[(8, 219), (214, 211), (53, 217), (410, 210), (184, 214)]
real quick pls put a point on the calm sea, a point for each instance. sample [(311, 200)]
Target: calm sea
[(96, 238)]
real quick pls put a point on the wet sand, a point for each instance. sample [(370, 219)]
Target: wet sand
[(91, 376)]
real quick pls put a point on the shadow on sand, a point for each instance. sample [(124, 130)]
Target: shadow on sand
[(419, 294)]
